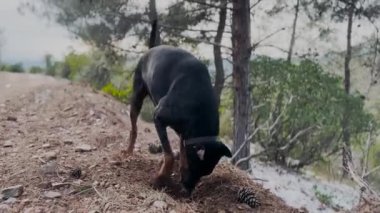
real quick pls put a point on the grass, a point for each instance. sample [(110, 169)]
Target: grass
[(323, 197)]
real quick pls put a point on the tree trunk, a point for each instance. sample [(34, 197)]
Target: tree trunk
[(218, 60), (294, 27), (346, 151), (241, 53), (152, 17)]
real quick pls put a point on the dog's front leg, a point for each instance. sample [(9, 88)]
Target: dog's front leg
[(166, 169)]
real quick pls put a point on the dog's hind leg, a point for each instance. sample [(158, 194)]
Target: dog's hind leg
[(138, 96)]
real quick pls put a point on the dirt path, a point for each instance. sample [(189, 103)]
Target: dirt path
[(43, 124), (13, 85)]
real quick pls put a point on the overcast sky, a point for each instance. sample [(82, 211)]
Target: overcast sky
[(27, 38)]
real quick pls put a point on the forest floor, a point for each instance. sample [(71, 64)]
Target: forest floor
[(50, 129)]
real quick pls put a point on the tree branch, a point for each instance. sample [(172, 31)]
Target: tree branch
[(246, 141), (273, 46), (294, 139), (192, 30), (267, 37), (207, 4), (204, 41), (255, 4), (243, 160)]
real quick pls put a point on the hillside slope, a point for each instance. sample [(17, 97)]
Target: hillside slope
[(52, 129)]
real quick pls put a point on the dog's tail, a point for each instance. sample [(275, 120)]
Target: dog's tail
[(154, 39)]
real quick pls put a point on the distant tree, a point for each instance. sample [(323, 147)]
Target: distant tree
[(104, 23), (341, 11), (49, 65), (296, 7), (1, 44), (36, 69), (218, 59), (18, 68), (74, 64)]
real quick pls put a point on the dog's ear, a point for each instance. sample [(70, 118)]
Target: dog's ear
[(224, 150)]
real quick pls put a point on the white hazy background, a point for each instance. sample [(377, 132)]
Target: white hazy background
[(27, 38)]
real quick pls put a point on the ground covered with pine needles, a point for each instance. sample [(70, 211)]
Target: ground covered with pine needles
[(57, 140)]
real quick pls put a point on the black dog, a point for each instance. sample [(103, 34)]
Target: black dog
[(181, 90)]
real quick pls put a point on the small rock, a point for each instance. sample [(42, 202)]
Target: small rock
[(147, 130), (25, 202), (78, 182), (103, 184), (49, 168), (58, 185), (13, 191), (52, 194), (10, 200), (11, 118), (68, 109), (35, 209), (4, 208), (95, 183), (160, 204), (68, 142), (45, 185), (51, 155), (83, 148), (8, 143), (46, 145)]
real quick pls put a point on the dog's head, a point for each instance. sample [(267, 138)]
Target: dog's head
[(201, 161)]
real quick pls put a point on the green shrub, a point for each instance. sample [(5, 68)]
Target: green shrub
[(122, 95), (36, 69), (307, 100), (76, 63), (18, 67), (323, 197)]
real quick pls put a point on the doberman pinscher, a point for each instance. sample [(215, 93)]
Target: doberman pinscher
[(179, 86)]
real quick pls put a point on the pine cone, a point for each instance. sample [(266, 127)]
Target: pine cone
[(247, 196), (76, 173)]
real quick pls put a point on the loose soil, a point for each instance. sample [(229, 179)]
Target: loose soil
[(42, 122)]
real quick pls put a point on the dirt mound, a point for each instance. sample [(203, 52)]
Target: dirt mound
[(57, 140)]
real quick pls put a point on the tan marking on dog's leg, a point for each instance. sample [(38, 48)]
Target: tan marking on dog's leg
[(165, 171)]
